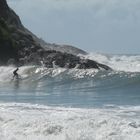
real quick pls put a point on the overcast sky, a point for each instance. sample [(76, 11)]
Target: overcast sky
[(106, 26)]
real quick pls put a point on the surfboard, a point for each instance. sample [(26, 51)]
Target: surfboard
[(16, 78)]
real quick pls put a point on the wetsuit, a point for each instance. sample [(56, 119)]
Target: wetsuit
[(15, 73)]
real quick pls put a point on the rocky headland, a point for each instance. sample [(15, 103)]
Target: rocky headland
[(20, 47)]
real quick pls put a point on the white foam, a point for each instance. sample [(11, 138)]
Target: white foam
[(35, 73), (117, 62), (127, 63), (34, 122)]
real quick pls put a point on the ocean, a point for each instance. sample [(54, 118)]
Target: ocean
[(72, 104)]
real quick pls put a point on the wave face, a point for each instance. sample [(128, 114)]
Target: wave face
[(74, 87), (35, 122)]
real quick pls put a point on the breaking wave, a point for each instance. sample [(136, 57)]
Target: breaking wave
[(124, 67), (126, 63), (26, 121)]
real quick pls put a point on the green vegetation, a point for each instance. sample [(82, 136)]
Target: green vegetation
[(8, 47), (4, 31)]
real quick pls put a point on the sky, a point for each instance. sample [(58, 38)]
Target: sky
[(105, 26)]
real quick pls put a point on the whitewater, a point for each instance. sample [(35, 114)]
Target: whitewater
[(72, 104)]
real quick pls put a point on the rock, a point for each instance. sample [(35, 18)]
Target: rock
[(104, 66), (64, 49), (11, 62), (22, 43), (16, 36), (22, 61), (40, 52), (9, 15), (21, 47), (33, 49)]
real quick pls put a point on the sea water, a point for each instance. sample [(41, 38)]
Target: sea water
[(72, 104)]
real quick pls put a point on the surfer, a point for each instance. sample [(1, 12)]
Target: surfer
[(16, 74)]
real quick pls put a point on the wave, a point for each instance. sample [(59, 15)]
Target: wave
[(126, 63), (60, 76), (26, 121), (119, 64), (125, 73)]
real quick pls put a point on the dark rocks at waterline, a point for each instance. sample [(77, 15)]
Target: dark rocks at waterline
[(53, 58)]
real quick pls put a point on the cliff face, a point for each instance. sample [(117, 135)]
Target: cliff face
[(3, 7), (15, 40), (9, 15), (7, 49), (20, 47)]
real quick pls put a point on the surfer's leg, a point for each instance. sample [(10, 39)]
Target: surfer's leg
[(13, 76), (17, 76)]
